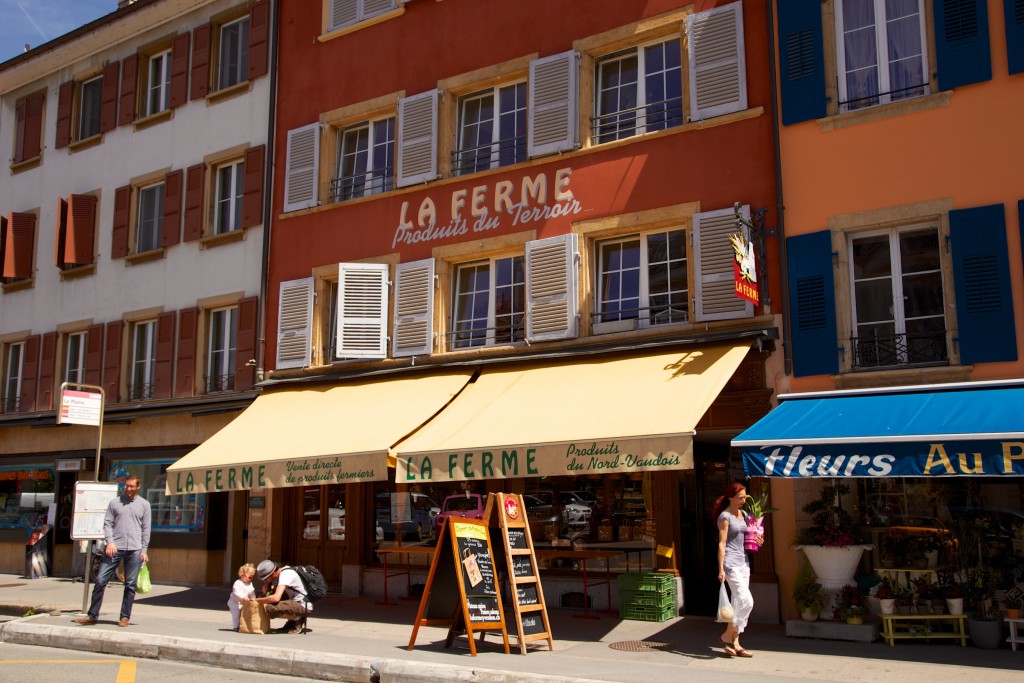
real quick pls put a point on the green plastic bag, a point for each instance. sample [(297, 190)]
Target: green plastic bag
[(143, 584)]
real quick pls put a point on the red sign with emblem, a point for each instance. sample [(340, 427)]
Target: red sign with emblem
[(511, 508)]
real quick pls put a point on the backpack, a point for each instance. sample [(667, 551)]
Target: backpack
[(313, 580)]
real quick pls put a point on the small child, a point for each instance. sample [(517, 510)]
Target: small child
[(240, 592)]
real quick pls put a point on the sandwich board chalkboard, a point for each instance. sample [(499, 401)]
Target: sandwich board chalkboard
[(462, 586), (506, 513)]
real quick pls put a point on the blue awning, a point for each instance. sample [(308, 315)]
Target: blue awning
[(973, 428)]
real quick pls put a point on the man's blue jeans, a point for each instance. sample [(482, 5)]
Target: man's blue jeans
[(108, 565)]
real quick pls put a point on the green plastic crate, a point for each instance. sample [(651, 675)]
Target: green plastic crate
[(651, 581), (648, 613), (646, 599)]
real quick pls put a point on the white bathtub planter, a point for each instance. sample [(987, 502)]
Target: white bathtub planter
[(834, 567)]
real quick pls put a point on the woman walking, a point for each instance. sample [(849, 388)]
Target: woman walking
[(734, 564)]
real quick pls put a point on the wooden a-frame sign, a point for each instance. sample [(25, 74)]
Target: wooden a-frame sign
[(462, 588), (505, 511)]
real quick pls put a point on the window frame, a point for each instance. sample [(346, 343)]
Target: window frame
[(75, 343), (164, 88), (373, 182), (11, 379), (489, 337), (361, 17), (234, 202), (496, 146), (221, 326), (240, 72), (156, 221), (142, 391), (95, 85)]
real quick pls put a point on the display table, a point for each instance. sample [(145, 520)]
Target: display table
[(583, 556), (1014, 638), (923, 627), (405, 570)]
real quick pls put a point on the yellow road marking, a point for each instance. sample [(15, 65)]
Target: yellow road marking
[(125, 668)]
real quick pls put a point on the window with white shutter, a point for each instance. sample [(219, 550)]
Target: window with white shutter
[(417, 138), (554, 96), (301, 168), (713, 259), (362, 310), (294, 323), (348, 12), (413, 333), (718, 75), (552, 306)]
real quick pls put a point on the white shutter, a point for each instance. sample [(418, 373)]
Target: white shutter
[(417, 139), (295, 316), (552, 306), (713, 253), (554, 95), (362, 310), (718, 73), (301, 167), (343, 13), (372, 8), (413, 334)]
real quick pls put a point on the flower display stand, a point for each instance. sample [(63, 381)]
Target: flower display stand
[(923, 627), (1014, 640)]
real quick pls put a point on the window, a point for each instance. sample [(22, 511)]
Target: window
[(366, 158), (25, 496), (881, 55), (90, 101), (233, 56), (221, 347), (150, 220), (489, 302), (143, 369), (639, 90), (347, 12), (74, 358), (14, 355), (158, 87), (228, 201), (491, 129), (899, 309), (183, 513), (644, 277)]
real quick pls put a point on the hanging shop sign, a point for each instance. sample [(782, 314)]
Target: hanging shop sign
[(744, 269), (484, 208), (887, 459)]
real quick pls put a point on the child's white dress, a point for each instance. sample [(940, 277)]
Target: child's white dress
[(240, 591)]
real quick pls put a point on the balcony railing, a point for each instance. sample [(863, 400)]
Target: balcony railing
[(899, 350), (655, 315), (363, 184), (489, 155), (140, 392), (466, 337), (626, 123), (220, 383), (896, 95), (10, 404)]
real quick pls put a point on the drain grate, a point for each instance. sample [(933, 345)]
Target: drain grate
[(638, 646)]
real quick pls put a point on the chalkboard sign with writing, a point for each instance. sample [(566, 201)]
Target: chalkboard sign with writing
[(461, 589), (517, 539)]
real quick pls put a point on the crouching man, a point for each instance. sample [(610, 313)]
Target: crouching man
[(284, 595)]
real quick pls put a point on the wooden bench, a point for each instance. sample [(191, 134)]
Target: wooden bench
[(923, 627)]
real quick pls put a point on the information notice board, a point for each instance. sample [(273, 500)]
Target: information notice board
[(91, 501), (462, 588)]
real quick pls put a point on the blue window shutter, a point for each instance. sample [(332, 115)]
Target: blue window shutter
[(961, 42), (801, 61), (812, 304), (981, 274), (1014, 11)]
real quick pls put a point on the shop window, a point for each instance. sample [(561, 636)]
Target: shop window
[(643, 277), (233, 53), (491, 129), (639, 90), (881, 56), (489, 302), (143, 360), (25, 496), (28, 127), (13, 358), (898, 305), (182, 513), (366, 160), (222, 335)]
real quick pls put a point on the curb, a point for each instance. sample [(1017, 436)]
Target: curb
[(260, 659)]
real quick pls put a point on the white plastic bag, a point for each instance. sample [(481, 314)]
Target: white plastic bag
[(725, 611)]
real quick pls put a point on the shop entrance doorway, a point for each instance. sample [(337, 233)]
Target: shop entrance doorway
[(699, 559), (317, 526)]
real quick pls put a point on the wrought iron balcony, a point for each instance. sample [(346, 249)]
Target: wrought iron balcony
[(363, 184), (626, 123), (489, 155), (220, 383), (899, 350), (465, 337), (10, 404), (140, 392)]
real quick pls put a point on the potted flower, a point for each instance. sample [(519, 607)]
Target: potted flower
[(807, 593), (886, 596), (757, 508), (954, 596), (904, 599), (920, 589), (1014, 607), (832, 542), (851, 605), (938, 600)]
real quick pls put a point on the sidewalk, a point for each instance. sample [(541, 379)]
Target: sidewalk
[(355, 639)]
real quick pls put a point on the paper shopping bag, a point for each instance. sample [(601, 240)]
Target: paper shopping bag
[(253, 618)]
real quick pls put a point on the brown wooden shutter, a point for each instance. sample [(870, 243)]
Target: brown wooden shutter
[(108, 108), (163, 372), (20, 118), (259, 39), (3, 244), (245, 343), (179, 70), (200, 84), (252, 187), (21, 237), (47, 370), (93, 354), (65, 102), (122, 213), (185, 368), (129, 78), (81, 232), (112, 361), (194, 202), (29, 374), (60, 243), (28, 127), (172, 207)]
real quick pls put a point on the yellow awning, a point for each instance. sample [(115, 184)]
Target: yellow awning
[(315, 435), (581, 416)]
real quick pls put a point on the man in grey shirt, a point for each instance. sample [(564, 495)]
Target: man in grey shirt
[(126, 531)]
